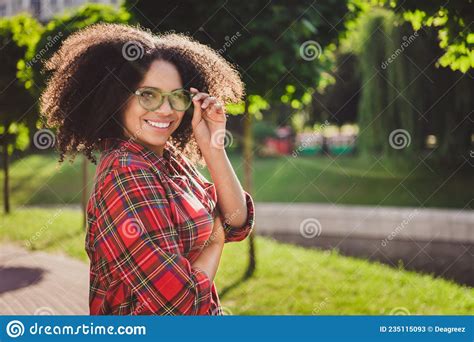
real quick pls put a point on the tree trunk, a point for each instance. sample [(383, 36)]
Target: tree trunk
[(84, 191), (6, 186), (248, 179)]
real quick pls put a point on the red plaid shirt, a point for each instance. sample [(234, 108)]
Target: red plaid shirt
[(148, 218)]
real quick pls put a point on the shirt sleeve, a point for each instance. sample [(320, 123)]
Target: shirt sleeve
[(235, 234), (136, 238)]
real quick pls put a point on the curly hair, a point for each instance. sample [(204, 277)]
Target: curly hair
[(92, 75)]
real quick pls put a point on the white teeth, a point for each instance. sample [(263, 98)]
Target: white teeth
[(158, 124)]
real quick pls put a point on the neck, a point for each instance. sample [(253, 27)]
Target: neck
[(157, 149)]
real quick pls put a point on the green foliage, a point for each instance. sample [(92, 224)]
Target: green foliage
[(404, 89), (37, 179), (337, 100), (373, 101), (17, 35), (452, 19), (405, 97), (262, 38), (62, 26)]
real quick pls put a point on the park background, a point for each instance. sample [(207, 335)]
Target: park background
[(355, 140)]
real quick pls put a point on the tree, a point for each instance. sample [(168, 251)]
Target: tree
[(373, 101), (406, 97), (17, 106), (452, 20), (59, 29), (337, 101), (273, 45)]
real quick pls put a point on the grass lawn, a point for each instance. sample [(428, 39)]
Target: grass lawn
[(37, 179), (288, 280)]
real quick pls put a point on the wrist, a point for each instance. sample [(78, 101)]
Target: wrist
[(212, 151), (215, 243), (213, 155)]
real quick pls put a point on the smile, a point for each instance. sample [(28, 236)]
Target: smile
[(158, 124)]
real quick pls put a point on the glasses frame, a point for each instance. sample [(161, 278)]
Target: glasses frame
[(164, 95)]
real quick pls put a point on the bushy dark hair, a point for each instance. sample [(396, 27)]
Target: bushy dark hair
[(96, 69)]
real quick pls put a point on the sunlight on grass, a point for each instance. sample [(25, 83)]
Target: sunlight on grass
[(37, 180), (288, 279)]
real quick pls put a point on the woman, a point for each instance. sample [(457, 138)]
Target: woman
[(155, 226)]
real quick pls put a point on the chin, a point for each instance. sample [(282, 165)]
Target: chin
[(156, 141)]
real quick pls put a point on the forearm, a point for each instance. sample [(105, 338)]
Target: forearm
[(230, 196), (209, 259)]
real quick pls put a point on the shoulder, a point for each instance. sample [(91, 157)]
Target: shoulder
[(117, 159), (116, 163)]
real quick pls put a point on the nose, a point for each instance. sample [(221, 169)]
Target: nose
[(165, 107)]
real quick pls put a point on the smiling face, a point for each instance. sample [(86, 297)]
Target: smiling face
[(153, 128)]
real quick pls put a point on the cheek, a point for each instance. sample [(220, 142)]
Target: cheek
[(180, 118), (131, 118)]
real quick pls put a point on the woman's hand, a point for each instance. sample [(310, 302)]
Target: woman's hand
[(209, 120)]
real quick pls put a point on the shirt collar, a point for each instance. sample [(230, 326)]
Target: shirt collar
[(131, 145)]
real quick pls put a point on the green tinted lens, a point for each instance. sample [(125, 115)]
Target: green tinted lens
[(180, 99), (150, 99)]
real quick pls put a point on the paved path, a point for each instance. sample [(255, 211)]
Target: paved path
[(41, 283)]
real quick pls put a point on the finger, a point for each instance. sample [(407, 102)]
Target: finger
[(201, 97), (214, 112), (197, 114), (196, 91), (213, 115), (218, 107), (208, 101)]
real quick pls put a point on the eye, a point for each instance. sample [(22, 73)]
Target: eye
[(148, 94)]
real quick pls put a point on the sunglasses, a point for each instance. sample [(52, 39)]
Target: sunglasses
[(151, 98)]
